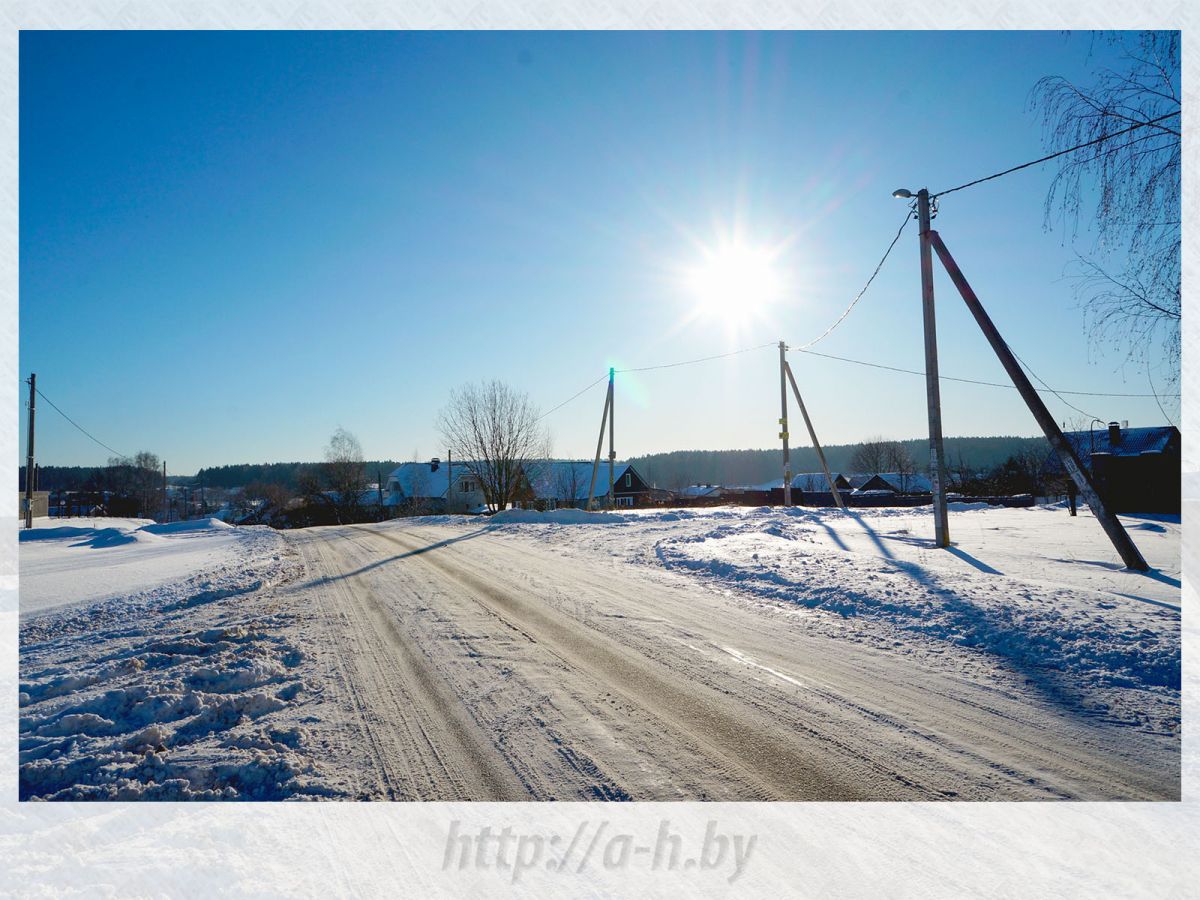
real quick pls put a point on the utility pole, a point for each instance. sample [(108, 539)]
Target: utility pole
[(166, 511), (604, 419), (933, 394), (783, 425), (1112, 526), (29, 452), (612, 454), (812, 433)]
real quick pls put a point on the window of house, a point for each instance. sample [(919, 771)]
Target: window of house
[(466, 486), (624, 501), (628, 480)]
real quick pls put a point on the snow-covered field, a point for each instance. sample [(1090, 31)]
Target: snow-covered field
[(212, 662)]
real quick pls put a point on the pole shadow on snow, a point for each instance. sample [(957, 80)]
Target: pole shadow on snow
[(328, 579)]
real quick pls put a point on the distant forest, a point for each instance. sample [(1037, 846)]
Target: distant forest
[(682, 467), (667, 470)]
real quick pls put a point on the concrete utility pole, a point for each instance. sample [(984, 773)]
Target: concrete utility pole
[(604, 418), (612, 454), (933, 394), (1111, 524), (29, 452), (812, 433), (783, 425)]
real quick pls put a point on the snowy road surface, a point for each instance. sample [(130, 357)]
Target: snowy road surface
[(479, 663), (724, 654)]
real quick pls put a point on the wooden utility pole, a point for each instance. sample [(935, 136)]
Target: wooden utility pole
[(837, 497), (612, 454), (933, 394), (783, 426), (604, 418), (29, 452), (1112, 526), (166, 512)]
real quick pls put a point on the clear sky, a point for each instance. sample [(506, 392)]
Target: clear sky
[(233, 243)]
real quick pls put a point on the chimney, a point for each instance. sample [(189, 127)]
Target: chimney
[(434, 463), (1114, 433)]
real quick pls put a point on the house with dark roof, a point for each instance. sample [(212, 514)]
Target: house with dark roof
[(564, 483), (898, 483), (1134, 469)]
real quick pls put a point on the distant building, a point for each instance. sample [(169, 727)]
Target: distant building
[(559, 484), (433, 487), (41, 503), (816, 482), (897, 483), (1134, 469)]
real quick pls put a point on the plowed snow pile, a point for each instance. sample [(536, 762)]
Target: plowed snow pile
[(155, 664)]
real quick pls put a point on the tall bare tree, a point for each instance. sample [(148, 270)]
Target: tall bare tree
[(1128, 187), (496, 433), (345, 474)]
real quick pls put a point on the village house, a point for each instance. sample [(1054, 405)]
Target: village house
[(433, 487), (564, 484), (1134, 469)]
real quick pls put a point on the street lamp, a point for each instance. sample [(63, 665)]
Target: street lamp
[(902, 194)]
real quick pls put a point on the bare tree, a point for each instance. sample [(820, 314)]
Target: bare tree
[(569, 481), (496, 432), (872, 456), (345, 474), (1129, 187), (901, 461)]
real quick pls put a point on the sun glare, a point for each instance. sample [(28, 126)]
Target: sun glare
[(734, 282)]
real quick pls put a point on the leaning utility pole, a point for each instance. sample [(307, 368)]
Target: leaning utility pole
[(612, 454), (933, 395), (783, 425), (1111, 524), (812, 433), (604, 420), (29, 452)]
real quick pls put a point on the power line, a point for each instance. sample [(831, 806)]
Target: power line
[(1029, 369), (828, 331), (572, 397), (80, 427), (1101, 139), (863, 362), (688, 362)]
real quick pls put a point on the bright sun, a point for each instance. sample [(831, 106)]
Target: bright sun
[(734, 282)]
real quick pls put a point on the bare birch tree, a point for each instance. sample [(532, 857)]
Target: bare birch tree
[(1128, 187), (496, 433)]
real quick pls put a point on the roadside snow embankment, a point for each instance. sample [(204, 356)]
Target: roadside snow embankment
[(185, 687)]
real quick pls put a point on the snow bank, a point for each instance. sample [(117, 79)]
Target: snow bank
[(556, 517), (190, 690), (127, 561)]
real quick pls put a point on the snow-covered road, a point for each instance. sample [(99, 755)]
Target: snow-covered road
[(721, 654), (502, 663)]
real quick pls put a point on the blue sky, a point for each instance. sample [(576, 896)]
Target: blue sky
[(233, 243)]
